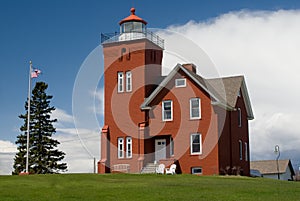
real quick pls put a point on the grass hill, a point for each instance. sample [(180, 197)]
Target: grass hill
[(85, 187)]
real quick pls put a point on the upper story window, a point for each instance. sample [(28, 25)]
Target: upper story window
[(239, 117), (120, 82), (195, 108), (128, 81), (167, 110), (128, 147), (241, 149), (196, 143), (180, 82), (120, 147)]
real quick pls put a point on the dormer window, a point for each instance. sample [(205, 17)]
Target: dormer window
[(180, 82)]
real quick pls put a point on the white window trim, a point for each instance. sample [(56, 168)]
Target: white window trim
[(199, 117), (246, 151), (128, 84), (191, 144), (239, 117), (120, 82), (241, 149), (163, 110), (180, 79), (171, 146), (128, 142), (194, 168), (120, 151)]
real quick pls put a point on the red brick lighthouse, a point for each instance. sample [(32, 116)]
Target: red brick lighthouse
[(199, 124)]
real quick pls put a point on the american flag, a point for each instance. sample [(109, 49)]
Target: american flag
[(35, 73)]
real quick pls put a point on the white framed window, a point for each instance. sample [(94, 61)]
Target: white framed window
[(167, 110), (120, 147), (195, 108), (246, 151), (171, 146), (128, 81), (196, 143), (241, 149), (128, 147), (180, 82), (120, 82), (239, 117), (196, 170)]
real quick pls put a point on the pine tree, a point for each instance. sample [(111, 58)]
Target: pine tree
[(44, 157)]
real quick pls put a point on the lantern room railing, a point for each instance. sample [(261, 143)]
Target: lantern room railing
[(118, 37)]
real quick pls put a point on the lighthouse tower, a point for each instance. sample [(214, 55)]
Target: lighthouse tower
[(132, 69)]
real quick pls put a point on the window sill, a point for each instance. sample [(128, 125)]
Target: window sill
[(195, 118), (196, 154), (125, 158), (167, 120)]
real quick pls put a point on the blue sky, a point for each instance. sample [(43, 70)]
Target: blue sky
[(58, 35)]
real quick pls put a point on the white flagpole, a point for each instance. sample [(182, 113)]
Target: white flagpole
[(28, 116)]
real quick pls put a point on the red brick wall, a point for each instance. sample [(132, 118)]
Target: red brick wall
[(229, 151), (122, 113), (182, 127), (240, 133)]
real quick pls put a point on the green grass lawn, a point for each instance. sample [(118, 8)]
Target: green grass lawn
[(144, 187)]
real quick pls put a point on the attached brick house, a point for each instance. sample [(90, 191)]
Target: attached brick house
[(199, 124)]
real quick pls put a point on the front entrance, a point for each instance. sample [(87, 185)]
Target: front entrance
[(160, 149)]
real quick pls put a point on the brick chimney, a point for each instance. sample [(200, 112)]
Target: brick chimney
[(190, 67)]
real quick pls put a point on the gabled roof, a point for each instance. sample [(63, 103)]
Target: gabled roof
[(223, 91), (228, 88), (270, 166), (199, 80)]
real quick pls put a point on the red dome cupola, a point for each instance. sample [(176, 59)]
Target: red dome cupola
[(132, 23)]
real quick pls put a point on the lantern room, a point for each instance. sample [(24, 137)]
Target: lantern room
[(132, 23)]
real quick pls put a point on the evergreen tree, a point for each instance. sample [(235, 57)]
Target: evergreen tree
[(44, 157)]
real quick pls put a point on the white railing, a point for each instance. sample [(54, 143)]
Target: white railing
[(117, 37)]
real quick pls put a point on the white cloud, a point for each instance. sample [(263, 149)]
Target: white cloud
[(62, 116), (263, 46), (80, 150), (80, 145), (7, 153), (98, 96), (7, 147)]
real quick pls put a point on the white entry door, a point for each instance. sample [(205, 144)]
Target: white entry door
[(160, 149)]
